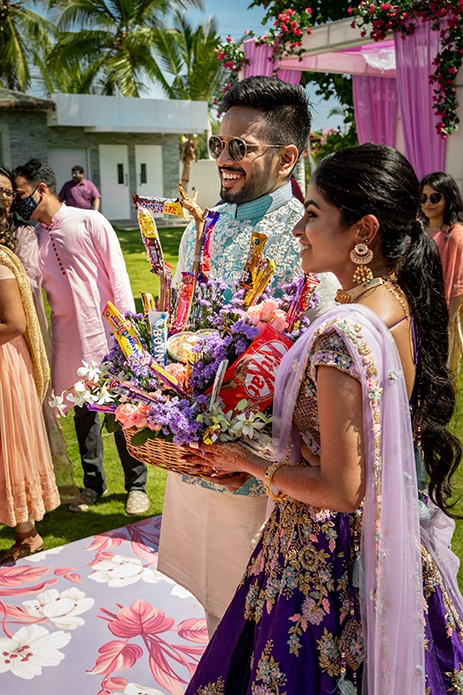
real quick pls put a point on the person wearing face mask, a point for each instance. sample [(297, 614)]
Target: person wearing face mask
[(27, 250), (208, 530), (83, 268), (442, 210), (80, 192)]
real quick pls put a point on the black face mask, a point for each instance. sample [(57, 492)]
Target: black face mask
[(26, 206)]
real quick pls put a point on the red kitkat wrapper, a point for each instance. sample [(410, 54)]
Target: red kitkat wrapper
[(252, 376)]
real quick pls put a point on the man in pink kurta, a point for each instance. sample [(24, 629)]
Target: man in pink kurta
[(83, 268)]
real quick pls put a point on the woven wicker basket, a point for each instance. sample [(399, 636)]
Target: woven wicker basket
[(158, 452)]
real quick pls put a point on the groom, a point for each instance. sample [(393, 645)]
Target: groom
[(208, 532)]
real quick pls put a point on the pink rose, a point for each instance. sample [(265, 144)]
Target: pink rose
[(279, 322), (138, 418), (130, 415), (124, 413), (178, 371), (254, 313), (268, 309)]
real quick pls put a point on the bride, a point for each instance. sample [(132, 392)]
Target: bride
[(352, 587)]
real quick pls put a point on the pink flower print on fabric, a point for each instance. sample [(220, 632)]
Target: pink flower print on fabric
[(30, 649), (140, 618), (194, 630), (116, 656), (143, 621), (134, 689)]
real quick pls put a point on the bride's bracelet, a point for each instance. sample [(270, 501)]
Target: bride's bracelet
[(267, 481)]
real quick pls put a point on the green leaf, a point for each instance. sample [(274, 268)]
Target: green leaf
[(242, 405), (142, 437), (109, 423)]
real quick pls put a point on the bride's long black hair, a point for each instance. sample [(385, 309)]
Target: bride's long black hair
[(375, 179)]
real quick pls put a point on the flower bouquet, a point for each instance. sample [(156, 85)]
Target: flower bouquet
[(199, 365)]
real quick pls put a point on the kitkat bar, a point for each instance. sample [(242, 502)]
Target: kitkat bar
[(252, 375)]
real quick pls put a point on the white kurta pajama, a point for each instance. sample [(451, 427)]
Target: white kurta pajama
[(209, 533)]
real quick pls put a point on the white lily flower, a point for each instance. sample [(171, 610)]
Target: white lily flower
[(57, 402), (104, 396), (90, 370), (244, 425), (81, 394)]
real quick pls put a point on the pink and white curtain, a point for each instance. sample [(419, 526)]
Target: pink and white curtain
[(414, 58), (261, 63), (375, 109)]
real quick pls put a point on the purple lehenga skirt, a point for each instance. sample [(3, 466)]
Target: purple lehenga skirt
[(293, 626)]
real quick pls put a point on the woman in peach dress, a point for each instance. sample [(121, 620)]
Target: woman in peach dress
[(27, 482), (442, 207)]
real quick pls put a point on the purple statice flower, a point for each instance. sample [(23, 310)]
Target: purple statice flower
[(209, 300), (213, 352), (177, 418), (297, 332), (245, 330), (314, 300)]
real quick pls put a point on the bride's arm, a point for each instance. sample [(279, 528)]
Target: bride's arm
[(338, 482)]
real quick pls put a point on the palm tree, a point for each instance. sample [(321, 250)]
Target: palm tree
[(107, 44), (25, 37), (189, 57)]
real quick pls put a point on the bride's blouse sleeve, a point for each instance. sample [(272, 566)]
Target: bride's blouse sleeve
[(330, 350)]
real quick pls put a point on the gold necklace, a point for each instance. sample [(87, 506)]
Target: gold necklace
[(348, 296), (390, 283), (397, 292)]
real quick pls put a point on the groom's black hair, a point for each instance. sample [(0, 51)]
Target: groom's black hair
[(286, 108)]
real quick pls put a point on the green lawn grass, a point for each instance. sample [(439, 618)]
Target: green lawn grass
[(62, 526)]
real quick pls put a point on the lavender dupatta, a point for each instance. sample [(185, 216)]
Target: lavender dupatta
[(391, 594)]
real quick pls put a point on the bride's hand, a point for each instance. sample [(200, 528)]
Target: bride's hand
[(219, 458)]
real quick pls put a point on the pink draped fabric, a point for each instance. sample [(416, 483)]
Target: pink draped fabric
[(415, 54), (375, 108), (261, 63)]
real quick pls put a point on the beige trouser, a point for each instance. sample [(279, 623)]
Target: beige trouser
[(207, 538)]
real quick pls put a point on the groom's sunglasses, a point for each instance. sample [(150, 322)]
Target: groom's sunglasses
[(237, 147)]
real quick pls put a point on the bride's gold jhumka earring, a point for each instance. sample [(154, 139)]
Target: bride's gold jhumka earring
[(361, 255)]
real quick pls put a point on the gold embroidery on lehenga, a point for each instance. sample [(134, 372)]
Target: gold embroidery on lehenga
[(301, 537), (456, 680), (217, 688), (432, 579), (268, 674)]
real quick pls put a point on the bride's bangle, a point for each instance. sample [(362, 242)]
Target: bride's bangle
[(267, 481)]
